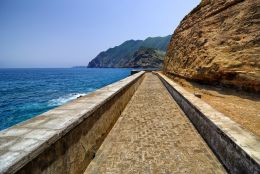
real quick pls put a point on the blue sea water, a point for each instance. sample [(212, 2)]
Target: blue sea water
[(25, 93)]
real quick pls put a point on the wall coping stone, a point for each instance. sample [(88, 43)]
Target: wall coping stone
[(23, 142), (247, 141)]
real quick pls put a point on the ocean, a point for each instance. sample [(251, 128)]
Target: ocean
[(26, 93)]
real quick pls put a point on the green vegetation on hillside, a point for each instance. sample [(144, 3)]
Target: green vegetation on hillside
[(146, 58), (124, 55)]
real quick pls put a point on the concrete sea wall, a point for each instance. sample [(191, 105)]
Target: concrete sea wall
[(65, 139), (236, 148)]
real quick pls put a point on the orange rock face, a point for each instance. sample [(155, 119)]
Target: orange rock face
[(218, 42)]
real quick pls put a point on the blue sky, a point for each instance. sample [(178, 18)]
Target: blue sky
[(65, 33)]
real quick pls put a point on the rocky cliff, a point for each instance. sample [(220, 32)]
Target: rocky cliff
[(120, 56), (146, 58), (218, 42)]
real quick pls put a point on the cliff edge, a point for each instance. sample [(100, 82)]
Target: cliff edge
[(218, 42)]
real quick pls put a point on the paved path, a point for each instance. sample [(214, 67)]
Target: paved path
[(153, 136)]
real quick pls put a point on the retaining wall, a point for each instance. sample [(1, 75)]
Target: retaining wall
[(236, 148)]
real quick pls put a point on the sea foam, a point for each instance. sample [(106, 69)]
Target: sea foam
[(62, 100)]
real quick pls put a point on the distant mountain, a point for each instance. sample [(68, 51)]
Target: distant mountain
[(146, 58), (125, 54)]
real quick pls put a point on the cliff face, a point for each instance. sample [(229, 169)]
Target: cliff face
[(146, 58), (219, 41), (120, 56)]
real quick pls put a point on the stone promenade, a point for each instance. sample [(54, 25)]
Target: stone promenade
[(154, 136)]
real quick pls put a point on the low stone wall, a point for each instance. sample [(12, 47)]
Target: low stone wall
[(65, 139), (236, 148)]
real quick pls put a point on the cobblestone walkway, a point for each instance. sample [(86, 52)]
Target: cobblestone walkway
[(153, 136)]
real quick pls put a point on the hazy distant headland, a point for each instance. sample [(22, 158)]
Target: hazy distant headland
[(79, 67)]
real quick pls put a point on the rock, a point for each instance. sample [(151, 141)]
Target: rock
[(197, 95), (218, 42)]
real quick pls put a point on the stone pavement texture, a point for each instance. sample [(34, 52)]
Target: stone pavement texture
[(153, 136)]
